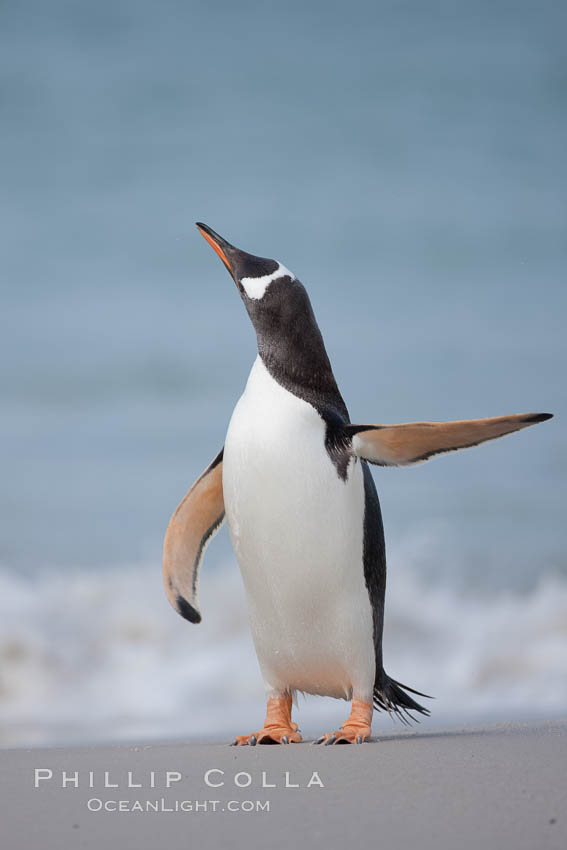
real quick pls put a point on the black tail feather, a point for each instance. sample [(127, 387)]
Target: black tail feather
[(391, 696)]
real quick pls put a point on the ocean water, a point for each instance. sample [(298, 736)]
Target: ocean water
[(407, 162)]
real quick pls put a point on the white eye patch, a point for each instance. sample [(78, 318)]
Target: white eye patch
[(255, 287)]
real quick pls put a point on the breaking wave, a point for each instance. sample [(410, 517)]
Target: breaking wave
[(99, 656)]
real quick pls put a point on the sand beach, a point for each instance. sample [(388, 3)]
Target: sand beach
[(497, 786)]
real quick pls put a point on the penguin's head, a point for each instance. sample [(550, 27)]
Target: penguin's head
[(289, 340), (275, 300)]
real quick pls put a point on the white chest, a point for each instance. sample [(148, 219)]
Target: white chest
[(282, 493)]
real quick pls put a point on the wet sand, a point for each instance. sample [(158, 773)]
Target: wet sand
[(502, 786)]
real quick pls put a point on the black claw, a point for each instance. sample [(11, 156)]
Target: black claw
[(234, 743), (330, 740), (319, 740), (285, 740), (359, 739), (253, 740)]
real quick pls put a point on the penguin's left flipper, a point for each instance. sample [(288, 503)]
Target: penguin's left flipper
[(412, 442), (194, 522)]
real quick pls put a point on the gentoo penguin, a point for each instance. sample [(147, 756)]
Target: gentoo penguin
[(303, 514)]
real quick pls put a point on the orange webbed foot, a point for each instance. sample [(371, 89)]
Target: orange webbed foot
[(345, 735), (278, 727), (270, 735), (356, 730)]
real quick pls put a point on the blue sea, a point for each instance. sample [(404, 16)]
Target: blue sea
[(407, 162)]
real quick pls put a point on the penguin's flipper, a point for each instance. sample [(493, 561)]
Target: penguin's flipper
[(196, 519), (412, 442)]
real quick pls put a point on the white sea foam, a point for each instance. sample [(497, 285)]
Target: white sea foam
[(100, 655)]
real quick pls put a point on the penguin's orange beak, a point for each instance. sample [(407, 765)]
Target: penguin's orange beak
[(219, 245)]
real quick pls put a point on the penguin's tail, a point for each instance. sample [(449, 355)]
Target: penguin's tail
[(392, 696)]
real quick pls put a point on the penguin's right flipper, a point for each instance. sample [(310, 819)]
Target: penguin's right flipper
[(412, 442), (196, 519)]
